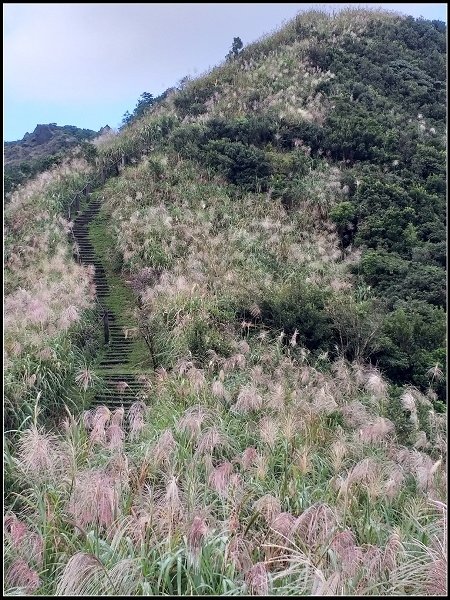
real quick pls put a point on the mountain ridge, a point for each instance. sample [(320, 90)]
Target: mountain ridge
[(45, 140)]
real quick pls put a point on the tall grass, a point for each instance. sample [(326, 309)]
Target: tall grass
[(264, 462), (200, 500), (48, 297)]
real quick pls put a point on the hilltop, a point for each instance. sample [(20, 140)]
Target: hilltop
[(264, 251)]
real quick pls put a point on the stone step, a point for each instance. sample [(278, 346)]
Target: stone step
[(115, 397), (117, 333), (90, 211), (110, 384), (111, 381), (117, 346), (113, 405), (115, 402), (112, 387), (114, 390), (127, 393), (112, 363)]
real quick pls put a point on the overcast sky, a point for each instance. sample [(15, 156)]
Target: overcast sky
[(86, 64)]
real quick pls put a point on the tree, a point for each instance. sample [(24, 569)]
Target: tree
[(145, 101), (235, 48)]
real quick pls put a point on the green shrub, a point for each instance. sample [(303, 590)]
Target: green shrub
[(298, 306), (245, 166)]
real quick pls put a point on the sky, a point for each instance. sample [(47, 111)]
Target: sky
[(86, 64)]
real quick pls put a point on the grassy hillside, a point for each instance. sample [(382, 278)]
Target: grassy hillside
[(323, 121), (48, 297), (281, 223)]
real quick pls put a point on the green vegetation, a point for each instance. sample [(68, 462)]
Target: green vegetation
[(276, 234), (50, 332), (37, 152), (120, 299), (235, 48)]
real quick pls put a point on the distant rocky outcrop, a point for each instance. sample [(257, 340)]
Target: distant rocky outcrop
[(46, 140), (39, 150), (104, 130)]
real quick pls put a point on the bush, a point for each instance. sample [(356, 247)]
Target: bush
[(413, 339), (344, 215), (301, 307), (256, 130), (242, 165), (191, 100), (356, 326)]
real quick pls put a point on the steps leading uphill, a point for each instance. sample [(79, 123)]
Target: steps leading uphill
[(121, 386)]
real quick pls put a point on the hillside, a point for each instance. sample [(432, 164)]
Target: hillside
[(37, 151), (267, 248)]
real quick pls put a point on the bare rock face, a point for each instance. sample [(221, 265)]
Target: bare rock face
[(105, 129), (46, 140), (42, 134)]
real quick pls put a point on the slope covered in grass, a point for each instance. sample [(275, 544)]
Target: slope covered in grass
[(280, 222), (48, 297), (344, 139)]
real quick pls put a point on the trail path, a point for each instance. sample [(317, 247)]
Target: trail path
[(120, 376)]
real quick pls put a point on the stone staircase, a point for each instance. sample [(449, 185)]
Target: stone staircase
[(120, 385)]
